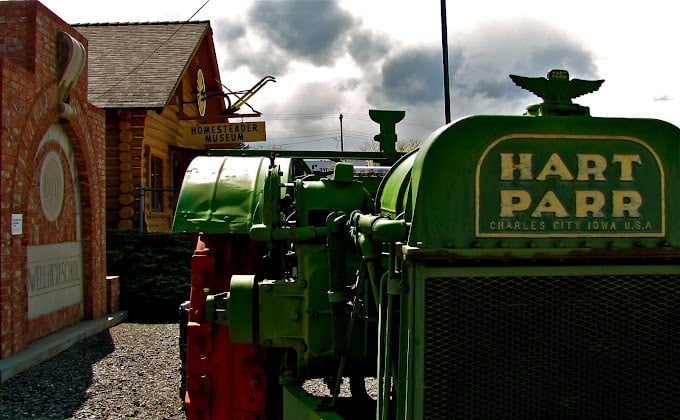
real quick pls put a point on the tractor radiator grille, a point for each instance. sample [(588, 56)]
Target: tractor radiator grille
[(552, 347)]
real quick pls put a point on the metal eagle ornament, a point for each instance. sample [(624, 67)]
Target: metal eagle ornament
[(557, 92)]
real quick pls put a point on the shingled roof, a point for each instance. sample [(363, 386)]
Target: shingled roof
[(138, 65)]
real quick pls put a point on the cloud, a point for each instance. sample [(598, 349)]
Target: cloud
[(479, 65), (313, 31), (521, 46), (242, 50), (354, 68), (663, 98), (368, 47), (411, 76), (229, 31), (348, 85), (278, 34)]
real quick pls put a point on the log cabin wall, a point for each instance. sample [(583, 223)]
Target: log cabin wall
[(124, 139), (133, 138), (145, 78), (160, 132)]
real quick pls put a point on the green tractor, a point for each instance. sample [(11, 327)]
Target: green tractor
[(513, 266)]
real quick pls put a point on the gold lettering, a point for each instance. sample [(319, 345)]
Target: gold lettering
[(626, 162), (626, 201), (588, 165), (508, 166), (555, 167), (550, 204), (514, 200), (589, 202)]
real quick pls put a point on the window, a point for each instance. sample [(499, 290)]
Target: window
[(156, 183)]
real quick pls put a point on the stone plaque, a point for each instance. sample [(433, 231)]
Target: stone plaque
[(51, 186), (55, 277)]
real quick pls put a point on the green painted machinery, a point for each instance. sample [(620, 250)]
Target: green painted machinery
[(513, 266)]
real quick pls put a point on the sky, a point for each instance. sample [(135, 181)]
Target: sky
[(332, 57)]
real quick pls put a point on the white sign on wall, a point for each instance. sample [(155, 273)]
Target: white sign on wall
[(17, 224), (55, 277)]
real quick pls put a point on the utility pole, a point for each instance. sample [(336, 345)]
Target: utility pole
[(445, 51), (342, 146)]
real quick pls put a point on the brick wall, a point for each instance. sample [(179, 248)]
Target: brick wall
[(28, 81)]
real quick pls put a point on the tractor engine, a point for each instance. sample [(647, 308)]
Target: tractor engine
[(511, 267)]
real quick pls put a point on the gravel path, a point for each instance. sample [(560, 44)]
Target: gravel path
[(128, 371)]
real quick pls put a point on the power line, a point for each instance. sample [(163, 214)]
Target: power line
[(353, 137), (306, 141), (358, 117), (302, 137), (199, 9)]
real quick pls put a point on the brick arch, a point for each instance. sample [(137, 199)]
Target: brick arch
[(90, 168), (37, 118), (88, 163)]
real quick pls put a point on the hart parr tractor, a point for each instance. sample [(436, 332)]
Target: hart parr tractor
[(511, 267)]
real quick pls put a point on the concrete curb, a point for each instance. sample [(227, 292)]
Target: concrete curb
[(48, 347)]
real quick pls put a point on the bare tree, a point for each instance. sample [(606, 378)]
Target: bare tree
[(402, 146)]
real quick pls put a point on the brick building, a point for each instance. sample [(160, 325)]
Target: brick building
[(89, 114), (52, 160)]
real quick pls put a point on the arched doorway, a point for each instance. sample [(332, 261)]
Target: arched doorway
[(54, 230)]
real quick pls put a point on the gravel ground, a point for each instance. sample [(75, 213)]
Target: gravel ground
[(128, 371)]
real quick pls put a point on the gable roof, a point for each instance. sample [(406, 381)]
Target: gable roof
[(139, 65)]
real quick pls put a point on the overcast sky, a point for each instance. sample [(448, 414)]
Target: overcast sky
[(347, 56)]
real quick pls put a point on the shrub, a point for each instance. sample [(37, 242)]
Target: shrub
[(154, 270)]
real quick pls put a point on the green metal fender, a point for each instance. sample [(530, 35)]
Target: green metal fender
[(393, 197), (223, 194)]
